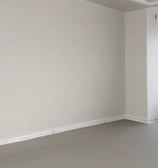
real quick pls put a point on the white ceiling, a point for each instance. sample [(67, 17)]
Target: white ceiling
[(126, 5)]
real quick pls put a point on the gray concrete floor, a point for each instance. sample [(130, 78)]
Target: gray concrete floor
[(122, 144)]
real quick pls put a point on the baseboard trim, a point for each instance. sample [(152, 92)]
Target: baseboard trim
[(61, 130), (74, 127), (139, 119)]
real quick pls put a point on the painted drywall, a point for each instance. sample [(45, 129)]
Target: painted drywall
[(152, 62), (142, 64), (61, 63), (136, 64)]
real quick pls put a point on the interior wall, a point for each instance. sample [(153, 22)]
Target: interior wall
[(152, 57), (61, 62), (136, 65)]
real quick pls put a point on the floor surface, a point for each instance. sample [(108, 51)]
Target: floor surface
[(122, 144)]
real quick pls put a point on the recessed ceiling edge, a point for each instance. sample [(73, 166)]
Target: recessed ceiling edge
[(147, 2)]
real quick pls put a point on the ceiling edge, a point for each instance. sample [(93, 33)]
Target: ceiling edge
[(146, 2)]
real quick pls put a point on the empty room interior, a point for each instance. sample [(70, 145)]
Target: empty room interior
[(78, 83)]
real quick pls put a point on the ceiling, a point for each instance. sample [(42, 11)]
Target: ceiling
[(126, 5)]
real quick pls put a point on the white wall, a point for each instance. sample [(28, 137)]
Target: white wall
[(152, 57), (61, 62), (136, 65), (142, 64)]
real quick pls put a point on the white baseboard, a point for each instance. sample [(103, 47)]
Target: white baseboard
[(153, 118), (61, 129), (74, 127), (26, 137), (139, 119)]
